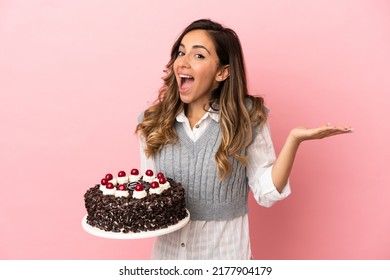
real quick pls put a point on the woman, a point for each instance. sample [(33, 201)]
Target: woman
[(208, 133)]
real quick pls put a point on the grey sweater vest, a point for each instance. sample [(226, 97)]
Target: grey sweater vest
[(193, 164)]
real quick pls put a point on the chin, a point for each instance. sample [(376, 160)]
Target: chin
[(185, 98), (185, 101)]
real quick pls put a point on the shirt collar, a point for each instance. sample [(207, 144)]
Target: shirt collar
[(181, 117)]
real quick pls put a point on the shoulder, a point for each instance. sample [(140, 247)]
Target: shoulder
[(258, 114), (140, 117), (250, 100)]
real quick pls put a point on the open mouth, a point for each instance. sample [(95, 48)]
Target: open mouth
[(185, 83)]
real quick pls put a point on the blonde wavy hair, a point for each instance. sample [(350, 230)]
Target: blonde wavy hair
[(237, 116)]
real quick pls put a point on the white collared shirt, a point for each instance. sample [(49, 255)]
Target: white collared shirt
[(221, 239)]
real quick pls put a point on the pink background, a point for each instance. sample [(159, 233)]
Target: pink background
[(74, 75)]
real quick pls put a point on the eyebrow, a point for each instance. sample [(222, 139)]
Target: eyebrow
[(196, 47)]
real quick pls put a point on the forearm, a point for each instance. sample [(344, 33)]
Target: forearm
[(283, 165)]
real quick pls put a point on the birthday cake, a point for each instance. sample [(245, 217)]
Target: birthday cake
[(135, 203)]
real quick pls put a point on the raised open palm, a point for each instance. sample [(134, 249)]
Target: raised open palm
[(327, 130)]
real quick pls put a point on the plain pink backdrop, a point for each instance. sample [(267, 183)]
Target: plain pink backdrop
[(74, 75)]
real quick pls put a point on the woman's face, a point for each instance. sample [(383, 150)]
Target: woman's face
[(196, 68)]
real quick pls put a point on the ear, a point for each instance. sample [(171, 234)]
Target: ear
[(223, 73)]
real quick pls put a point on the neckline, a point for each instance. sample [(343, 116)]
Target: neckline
[(210, 130)]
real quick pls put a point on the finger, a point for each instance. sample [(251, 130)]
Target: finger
[(329, 125), (330, 133), (339, 128)]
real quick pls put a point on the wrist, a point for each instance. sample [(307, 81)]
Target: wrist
[(294, 139)]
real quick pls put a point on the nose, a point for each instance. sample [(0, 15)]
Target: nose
[(183, 61)]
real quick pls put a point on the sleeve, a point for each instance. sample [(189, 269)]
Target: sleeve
[(146, 163), (261, 157)]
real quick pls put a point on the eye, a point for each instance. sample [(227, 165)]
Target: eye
[(200, 56), (180, 53)]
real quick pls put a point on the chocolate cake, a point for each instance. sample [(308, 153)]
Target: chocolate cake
[(135, 203)]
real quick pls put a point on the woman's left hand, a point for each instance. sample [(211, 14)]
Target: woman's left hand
[(283, 164), (301, 134)]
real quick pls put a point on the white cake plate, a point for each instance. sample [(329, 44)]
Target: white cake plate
[(133, 235)]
